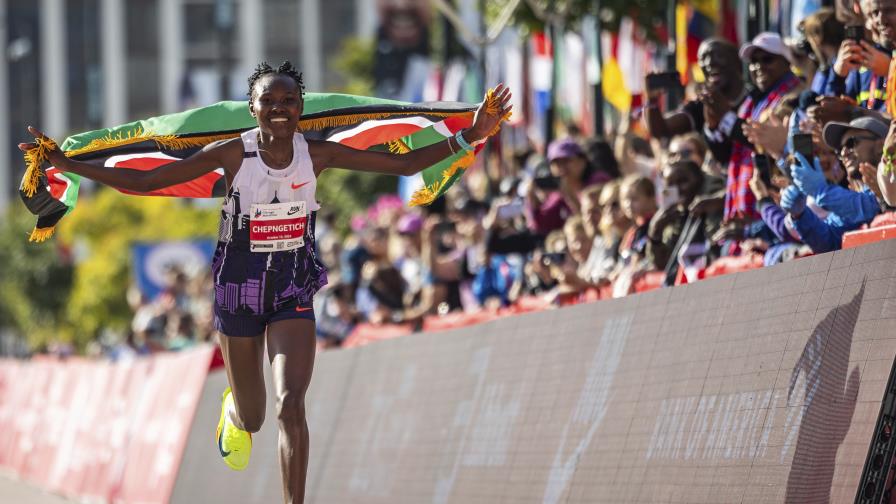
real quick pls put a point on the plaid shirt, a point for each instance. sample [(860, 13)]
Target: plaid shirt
[(739, 199)]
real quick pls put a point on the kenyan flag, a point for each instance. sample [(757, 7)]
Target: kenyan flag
[(355, 121)]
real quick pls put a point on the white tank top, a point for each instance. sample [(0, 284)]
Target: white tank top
[(258, 184)]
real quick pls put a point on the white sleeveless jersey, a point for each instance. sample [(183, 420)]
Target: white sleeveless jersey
[(257, 184)]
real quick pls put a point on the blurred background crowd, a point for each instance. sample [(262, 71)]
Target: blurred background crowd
[(740, 141)]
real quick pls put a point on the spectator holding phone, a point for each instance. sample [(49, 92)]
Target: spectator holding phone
[(554, 197), (680, 232), (860, 144), (770, 72), (859, 79), (860, 147), (722, 92)]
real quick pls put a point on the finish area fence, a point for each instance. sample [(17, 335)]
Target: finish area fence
[(762, 386)]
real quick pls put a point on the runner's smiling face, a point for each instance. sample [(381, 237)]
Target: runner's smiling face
[(277, 105)]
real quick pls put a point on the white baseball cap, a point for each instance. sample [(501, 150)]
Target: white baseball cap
[(767, 41)]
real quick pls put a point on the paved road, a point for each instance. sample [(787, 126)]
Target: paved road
[(23, 493)]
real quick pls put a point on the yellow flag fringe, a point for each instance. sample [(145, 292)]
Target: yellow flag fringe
[(399, 146), (41, 234), (34, 157), (428, 194), (345, 120)]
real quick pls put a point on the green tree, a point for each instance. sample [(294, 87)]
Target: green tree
[(35, 279), (355, 63), (106, 226)]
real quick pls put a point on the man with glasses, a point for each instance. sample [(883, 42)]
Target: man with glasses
[(859, 145), (769, 60)]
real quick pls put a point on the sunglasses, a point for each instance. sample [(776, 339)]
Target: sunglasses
[(765, 59), (851, 142)]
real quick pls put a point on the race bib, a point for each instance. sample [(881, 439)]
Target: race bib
[(277, 226)]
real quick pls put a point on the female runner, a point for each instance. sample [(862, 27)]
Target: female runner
[(265, 269)]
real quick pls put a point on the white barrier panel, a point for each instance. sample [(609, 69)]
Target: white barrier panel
[(762, 386)]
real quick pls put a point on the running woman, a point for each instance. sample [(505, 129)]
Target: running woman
[(265, 268)]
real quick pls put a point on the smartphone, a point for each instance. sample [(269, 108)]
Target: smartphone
[(802, 143), (445, 227), (549, 182), (763, 164), (663, 80), (553, 258), (855, 32), (510, 210)]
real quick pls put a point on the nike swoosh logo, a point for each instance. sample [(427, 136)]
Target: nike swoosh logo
[(300, 309), (296, 186), (220, 446)]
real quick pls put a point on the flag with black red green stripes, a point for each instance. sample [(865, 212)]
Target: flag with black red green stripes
[(355, 121)]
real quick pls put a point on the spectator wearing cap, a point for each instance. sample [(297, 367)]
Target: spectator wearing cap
[(770, 72), (860, 145), (722, 94), (552, 198)]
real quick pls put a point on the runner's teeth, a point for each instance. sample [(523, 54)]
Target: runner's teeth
[(279, 119)]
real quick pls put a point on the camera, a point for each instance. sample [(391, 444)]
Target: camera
[(663, 80)]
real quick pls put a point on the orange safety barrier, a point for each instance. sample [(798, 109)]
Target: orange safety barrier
[(454, 320), (726, 265), (649, 281), (365, 333), (864, 236), (884, 219), (526, 304)]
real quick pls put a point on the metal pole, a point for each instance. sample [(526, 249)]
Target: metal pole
[(549, 113), (171, 53), (53, 82), (672, 97), (312, 50), (483, 45), (224, 21), (598, 87), (6, 139), (114, 60)]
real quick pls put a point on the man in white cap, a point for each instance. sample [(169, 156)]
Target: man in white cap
[(769, 60)]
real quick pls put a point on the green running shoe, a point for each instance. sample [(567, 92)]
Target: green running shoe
[(234, 444)]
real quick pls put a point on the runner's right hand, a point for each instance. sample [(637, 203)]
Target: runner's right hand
[(55, 157)]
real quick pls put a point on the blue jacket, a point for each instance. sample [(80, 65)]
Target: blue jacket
[(821, 235), (852, 208)]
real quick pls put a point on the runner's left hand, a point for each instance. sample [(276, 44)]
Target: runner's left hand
[(484, 123)]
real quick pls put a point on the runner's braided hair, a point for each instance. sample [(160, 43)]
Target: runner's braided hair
[(285, 68)]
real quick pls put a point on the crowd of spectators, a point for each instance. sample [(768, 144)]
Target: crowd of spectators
[(772, 164)]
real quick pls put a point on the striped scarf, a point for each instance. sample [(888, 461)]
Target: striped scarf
[(739, 199)]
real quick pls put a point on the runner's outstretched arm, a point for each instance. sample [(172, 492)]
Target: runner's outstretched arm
[(326, 154), (215, 155)]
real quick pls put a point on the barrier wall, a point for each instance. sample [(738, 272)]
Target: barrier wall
[(99, 431), (761, 386)]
